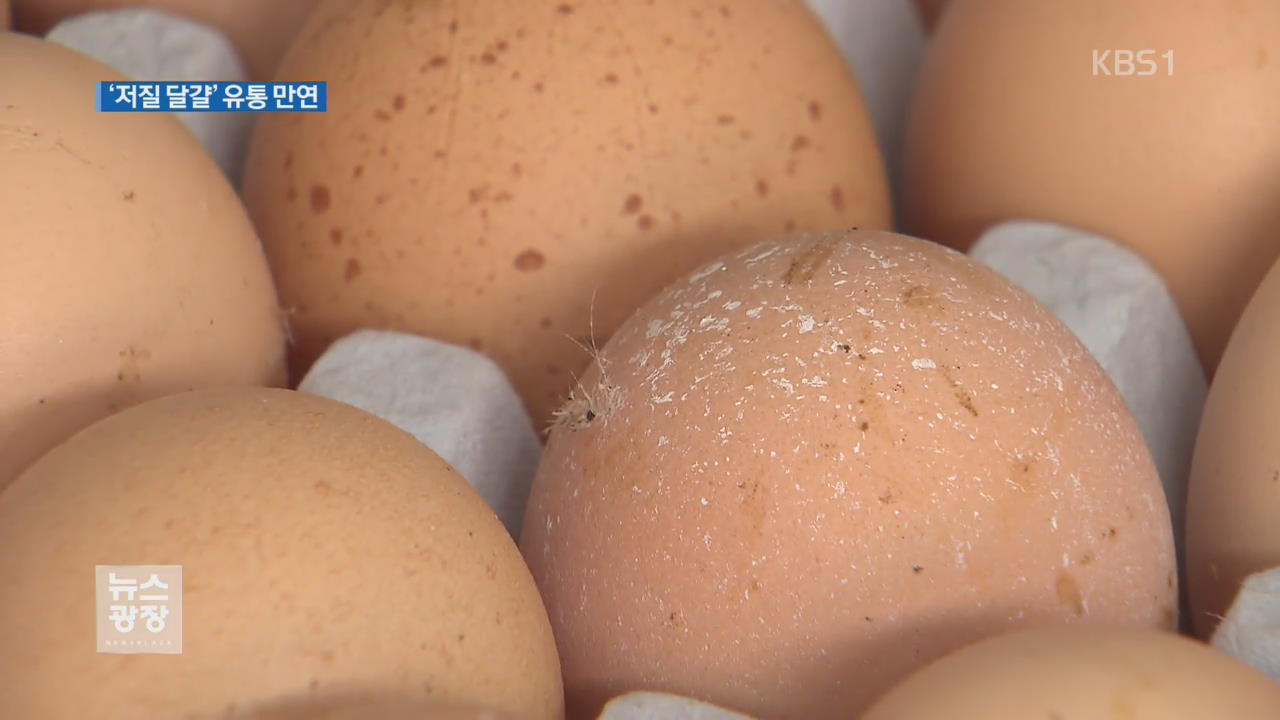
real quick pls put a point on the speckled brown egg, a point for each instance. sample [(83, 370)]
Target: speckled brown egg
[(321, 549), (128, 267), (1233, 494), (261, 31), (497, 173), (807, 468), (1046, 110), (1096, 673)]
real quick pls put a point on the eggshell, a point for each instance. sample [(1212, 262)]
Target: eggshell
[(499, 175), (321, 548), (1082, 674), (4, 14), (1233, 496), (1011, 121), (811, 466), (365, 706), (128, 267), (261, 30)]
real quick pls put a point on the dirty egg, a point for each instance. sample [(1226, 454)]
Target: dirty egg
[(826, 460)]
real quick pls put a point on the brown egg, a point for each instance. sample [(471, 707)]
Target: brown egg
[(499, 174), (4, 14), (1015, 118), (1233, 495), (321, 548), (261, 30), (128, 267), (365, 706), (808, 468), (1083, 674)]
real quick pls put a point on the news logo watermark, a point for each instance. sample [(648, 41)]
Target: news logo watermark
[(139, 609), (1132, 63), (225, 97)]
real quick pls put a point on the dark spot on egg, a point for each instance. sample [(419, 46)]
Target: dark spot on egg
[(864, 426), (516, 169), (381, 115), (644, 222), (799, 143), (762, 188), (476, 343), (564, 9), (488, 58), (453, 26), (789, 226), (653, 109), (1069, 593), (319, 198), (352, 270), (291, 194), (335, 235), (357, 171), (128, 195), (632, 204), (530, 260), (397, 103), (725, 12), (322, 487), (288, 160), (724, 119), (837, 197), (545, 323), (611, 78), (815, 110), (538, 87)]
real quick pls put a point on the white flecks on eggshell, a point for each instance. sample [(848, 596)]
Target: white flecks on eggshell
[(1122, 311), (896, 443)]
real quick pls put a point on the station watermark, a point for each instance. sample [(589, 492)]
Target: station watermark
[(1117, 62)]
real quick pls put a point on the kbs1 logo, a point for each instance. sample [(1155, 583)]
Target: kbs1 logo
[(1132, 63)]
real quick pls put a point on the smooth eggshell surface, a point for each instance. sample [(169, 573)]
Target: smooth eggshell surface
[(364, 706), (814, 465), (500, 174), (128, 267), (1014, 118), (1083, 674), (261, 31), (1233, 498), (321, 548)]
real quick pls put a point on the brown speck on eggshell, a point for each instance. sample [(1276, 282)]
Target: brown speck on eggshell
[(530, 260), (319, 198)]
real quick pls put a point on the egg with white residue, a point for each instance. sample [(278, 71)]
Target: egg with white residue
[(813, 466)]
